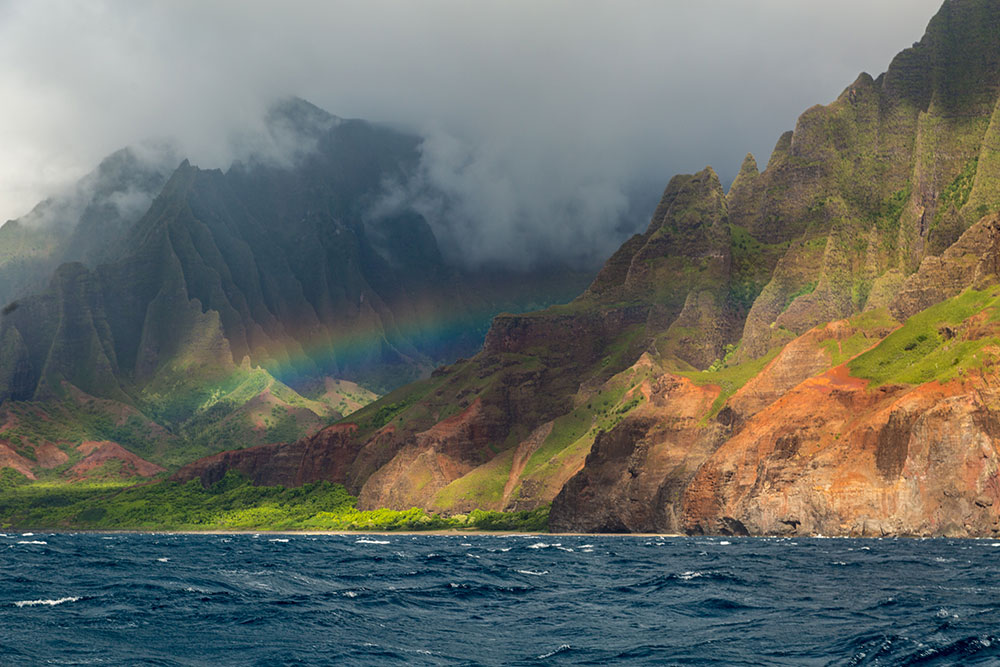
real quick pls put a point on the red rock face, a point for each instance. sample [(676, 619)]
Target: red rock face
[(97, 454), (326, 455), (635, 472), (832, 457), (11, 459)]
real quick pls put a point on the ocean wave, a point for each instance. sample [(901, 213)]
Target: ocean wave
[(49, 603), (366, 540), (32, 542), (561, 649)]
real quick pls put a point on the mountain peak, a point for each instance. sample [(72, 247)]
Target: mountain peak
[(300, 116)]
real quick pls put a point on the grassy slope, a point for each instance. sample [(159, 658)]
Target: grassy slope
[(937, 344), (231, 504)]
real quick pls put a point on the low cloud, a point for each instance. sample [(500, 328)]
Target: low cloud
[(550, 127)]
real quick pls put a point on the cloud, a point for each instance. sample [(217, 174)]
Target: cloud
[(551, 127)]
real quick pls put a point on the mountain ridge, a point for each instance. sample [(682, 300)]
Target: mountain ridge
[(631, 407)]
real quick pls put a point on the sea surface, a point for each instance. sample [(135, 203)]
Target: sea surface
[(267, 599)]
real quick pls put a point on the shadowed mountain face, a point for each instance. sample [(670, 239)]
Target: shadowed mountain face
[(813, 351), (84, 223), (280, 266)]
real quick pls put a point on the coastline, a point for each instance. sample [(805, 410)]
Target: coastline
[(382, 533)]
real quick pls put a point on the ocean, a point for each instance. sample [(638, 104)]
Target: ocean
[(270, 599)]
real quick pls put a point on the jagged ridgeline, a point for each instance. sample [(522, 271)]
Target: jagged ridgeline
[(813, 351), (237, 307)]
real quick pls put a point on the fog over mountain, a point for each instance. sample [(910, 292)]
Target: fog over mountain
[(551, 127)]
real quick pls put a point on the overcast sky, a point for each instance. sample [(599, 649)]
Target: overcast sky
[(543, 117)]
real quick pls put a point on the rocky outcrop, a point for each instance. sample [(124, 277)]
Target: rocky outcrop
[(97, 455), (835, 458), (973, 260), (634, 474), (327, 455)]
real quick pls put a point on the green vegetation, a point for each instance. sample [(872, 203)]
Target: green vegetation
[(752, 264), (869, 327), (807, 288), (230, 504), (929, 346), (958, 191), (730, 379)]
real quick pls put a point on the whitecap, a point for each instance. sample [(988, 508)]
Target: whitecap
[(27, 534), (543, 545), (533, 573), (162, 560), (32, 542), (465, 544), (50, 603), (586, 546), (562, 647), (350, 594), (724, 543), (365, 540), (690, 574), (278, 539)]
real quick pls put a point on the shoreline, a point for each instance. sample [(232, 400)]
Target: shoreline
[(386, 533), (477, 533)]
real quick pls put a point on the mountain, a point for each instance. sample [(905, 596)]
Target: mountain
[(244, 306), (82, 223), (813, 351)]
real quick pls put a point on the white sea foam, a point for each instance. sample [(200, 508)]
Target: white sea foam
[(32, 542), (543, 545), (278, 539), (162, 560), (27, 534), (350, 594), (586, 546), (365, 540), (534, 573), (690, 574), (725, 543), (562, 647), (50, 603)]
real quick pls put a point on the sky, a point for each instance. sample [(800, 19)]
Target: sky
[(552, 127)]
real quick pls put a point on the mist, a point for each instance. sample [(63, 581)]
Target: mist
[(551, 128)]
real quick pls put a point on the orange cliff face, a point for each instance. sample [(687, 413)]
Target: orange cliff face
[(833, 457)]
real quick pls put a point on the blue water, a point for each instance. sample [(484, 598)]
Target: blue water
[(469, 600)]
